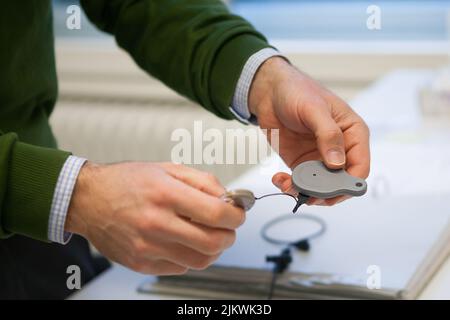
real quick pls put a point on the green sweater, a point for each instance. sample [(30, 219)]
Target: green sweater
[(194, 46)]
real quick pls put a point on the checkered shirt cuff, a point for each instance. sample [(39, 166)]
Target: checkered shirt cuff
[(61, 199), (239, 106)]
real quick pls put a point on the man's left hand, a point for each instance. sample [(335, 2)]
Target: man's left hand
[(313, 123)]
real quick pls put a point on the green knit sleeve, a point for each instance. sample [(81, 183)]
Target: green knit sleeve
[(28, 176), (197, 48)]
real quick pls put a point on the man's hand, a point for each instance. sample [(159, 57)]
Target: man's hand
[(153, 218), (314, 123)]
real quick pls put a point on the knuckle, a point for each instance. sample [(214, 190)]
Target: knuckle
[(231, 239), (334, 135), (206, 262), (138, 266), (163, 194), (202, 263), (365, 126), (139, 248), (168, 164), (215, 245), (173, 164), (366, 173), (211, 184), (241, 218), (218, 214), (147, 224), (226, 239), (222, 240), (164, 268), (211, 178)]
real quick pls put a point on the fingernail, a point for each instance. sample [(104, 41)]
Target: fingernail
[(335, 157)]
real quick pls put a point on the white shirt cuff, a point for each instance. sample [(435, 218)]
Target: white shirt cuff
[(239, 106), (61, 199)]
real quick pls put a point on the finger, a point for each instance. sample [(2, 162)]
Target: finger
[(358, 150), (329, 136), (204, 208), (335, 200), (315, 202), (206, 240), (283, 181), (200, 180), (356, 136), (187, 257)]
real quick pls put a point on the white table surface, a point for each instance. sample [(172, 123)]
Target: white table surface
[(397, 92)]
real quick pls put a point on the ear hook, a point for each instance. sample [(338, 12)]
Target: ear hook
[(246, 199), (300, 199)]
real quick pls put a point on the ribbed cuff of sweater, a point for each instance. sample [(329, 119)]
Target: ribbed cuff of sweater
[(228, 67), (31, 183)]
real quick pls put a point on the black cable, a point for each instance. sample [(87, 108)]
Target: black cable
[(283, 260), (300, 199), (272, 285), (281, 263), (299, 242)]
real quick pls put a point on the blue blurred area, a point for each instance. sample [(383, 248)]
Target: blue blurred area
[(346, 20), (321, 19)]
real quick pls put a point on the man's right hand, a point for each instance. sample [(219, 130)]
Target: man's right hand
[(153, 218)]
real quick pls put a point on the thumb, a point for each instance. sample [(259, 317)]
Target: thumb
[(329, 137)]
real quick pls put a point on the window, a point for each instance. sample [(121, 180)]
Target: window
[(346, 20), (401, 20)]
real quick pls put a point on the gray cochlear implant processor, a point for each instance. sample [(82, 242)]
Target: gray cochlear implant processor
[(310, 179), (314, 179)]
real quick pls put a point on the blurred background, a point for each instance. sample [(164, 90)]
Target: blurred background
[(105, 99)]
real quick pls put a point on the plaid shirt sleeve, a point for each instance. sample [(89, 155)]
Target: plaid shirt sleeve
[(61, 199), (239, 106)]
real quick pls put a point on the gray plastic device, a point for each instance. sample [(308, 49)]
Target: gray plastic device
[(310, 179), (314, 179)]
